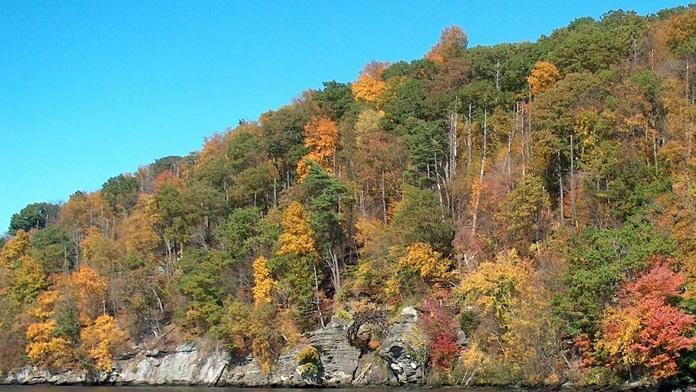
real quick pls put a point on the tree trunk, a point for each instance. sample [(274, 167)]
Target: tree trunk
[(316, 296), (453, 142), (334, 267), (560, 187), (477, 198), (508, 155), (468, 140), (573, 196), (384, 200)]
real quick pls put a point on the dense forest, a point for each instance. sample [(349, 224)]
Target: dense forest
[(538, 197)]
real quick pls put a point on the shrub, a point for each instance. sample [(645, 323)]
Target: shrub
[(308, 362)]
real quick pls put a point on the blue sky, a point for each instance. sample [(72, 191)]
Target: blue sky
[(92, 89)]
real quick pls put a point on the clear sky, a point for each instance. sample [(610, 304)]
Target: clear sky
[(91, 89)]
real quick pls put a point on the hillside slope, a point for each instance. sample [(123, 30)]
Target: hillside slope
[(534, 203)]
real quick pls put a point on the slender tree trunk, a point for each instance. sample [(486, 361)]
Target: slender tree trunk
[(468, 140), (508, 155), (560, 187), (477, 197), (573, 196), (275, 192), (523, 137), (529, 130), (65, 259), (384, 199), (362, 202), (453, 143), (332, 262), (316, 296), (655, 149), (688, 87), (438, 184), (497, 75), (652, 59)]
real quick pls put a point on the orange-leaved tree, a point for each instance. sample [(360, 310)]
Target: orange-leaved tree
[(453, 41), (321, 139)]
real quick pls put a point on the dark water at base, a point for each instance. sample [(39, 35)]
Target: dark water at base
[(54, 388)]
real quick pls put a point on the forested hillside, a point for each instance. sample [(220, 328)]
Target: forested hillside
[(538, 197)]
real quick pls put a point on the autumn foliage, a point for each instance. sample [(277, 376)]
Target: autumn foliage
[(520, 201), (321, 138), (645, 331), (370, 85), (452, 42), (441, 329), (263, 282), (543, 76), (100, 339), (429, 263)]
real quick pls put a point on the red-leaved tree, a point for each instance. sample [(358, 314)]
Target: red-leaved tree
[(645, 331), (440, 326)]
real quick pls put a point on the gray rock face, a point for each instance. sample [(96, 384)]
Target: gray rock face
[(187, 364), (372, 370), (395, 349), (32, 375), (339, 359), (247, 373)]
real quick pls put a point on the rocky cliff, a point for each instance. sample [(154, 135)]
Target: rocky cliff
[(342, 363)]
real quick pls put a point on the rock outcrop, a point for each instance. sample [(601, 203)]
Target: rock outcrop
[(247, 372), (187, 364), (341, 364), (339, 359), (396, 351), (32, 375)]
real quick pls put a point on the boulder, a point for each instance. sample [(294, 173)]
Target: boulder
[(395, 349), (372, 370)]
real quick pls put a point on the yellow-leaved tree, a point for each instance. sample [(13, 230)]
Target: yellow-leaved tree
[(28, 279), (88, 289), (517, 330), (14, 248), (494, 286), (99, 250), (429, 263), (297, 237), (100, 339), (263, 282), (72, 313), (139, 234), (47, 347), (370, 85), (543, 76)]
